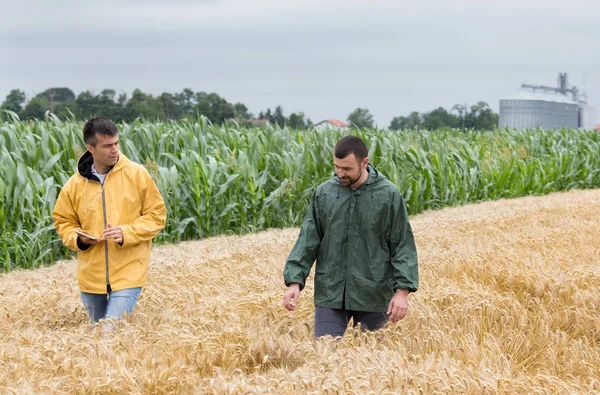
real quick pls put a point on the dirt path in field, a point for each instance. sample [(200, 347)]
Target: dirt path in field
[(509, 302)]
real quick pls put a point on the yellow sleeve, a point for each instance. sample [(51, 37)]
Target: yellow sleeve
[(66, 218), (153, 218)]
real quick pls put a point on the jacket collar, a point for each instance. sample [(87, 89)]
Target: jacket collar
[(374, 176), (84, 165)]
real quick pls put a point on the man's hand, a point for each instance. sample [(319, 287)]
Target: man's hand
[(398, 305), (87, 240), (290, 298), (114, 233)]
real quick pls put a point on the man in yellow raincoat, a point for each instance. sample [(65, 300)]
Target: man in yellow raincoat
[(109, 212)]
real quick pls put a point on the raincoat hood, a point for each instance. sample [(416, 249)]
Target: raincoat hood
[(84, 165), (374, 176)]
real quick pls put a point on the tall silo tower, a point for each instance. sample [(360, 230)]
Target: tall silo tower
[(538, 106), (587, 114)]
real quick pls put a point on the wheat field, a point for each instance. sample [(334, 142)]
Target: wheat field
[(509, 303)]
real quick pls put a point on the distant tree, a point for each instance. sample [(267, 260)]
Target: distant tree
[(278, 117), (58, 95), (399, 123), (186, 101), (143, 105), (414, 120), (104, 104), (241, 111), (170, 107), (35, 108), (214, 107), (361, 118), (86, 105), (481, 117), (122, 100), (119, 115), (14, 101), (58, 100), (268, 116), (461, 112), (297, 121), (108, 96), (440, 118)]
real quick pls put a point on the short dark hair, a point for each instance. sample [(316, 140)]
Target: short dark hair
[(351, 145), (98, 125)]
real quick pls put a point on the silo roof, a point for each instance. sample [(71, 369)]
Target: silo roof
[(540, 96)]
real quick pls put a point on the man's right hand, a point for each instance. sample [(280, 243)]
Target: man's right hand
[(87, 240), (290, 298)]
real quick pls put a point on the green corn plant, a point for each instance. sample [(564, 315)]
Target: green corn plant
[(233, 180)]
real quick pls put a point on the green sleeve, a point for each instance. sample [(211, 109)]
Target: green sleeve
[(304, 253), (405, 268)]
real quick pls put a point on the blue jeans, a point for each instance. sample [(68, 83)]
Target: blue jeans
[(335, 321), (113, 304)]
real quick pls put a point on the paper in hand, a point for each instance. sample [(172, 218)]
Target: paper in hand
[(86, 234)]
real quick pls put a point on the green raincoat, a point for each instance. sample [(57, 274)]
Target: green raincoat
[(362, 242)]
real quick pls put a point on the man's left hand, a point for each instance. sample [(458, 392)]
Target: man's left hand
[(114, 233), (398, 305)]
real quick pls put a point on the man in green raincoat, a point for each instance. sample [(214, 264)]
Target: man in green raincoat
[(357, 230)]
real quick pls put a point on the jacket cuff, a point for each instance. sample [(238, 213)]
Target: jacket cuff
[(403, 287), (300, 283), (81, 245), (127, 236)]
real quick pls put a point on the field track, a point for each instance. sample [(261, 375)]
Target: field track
[(509, 303)]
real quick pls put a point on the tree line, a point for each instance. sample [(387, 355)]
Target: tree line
[(120, 108), (479, 117), (188, 104)]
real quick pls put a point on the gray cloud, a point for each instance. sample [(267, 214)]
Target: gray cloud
[(321, 57)]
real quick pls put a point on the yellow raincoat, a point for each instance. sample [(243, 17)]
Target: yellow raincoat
[(128, 198)]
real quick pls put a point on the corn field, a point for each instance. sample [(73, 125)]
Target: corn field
[(508, 304), (229, 180)]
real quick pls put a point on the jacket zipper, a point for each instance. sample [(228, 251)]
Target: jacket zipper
[(105, 226), (348, 230)]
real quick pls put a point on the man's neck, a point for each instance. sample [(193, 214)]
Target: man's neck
[(363, 178), (101, 169)]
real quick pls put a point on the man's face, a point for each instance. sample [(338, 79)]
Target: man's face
[(349, 169), (106, 151)]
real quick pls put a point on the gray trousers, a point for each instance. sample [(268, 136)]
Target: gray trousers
[(335, 321)]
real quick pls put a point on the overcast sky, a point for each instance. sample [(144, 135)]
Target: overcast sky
[(322, 57)]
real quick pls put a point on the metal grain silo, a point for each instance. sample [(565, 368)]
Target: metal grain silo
[(539, 106), (530, 109), (587, 116)]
